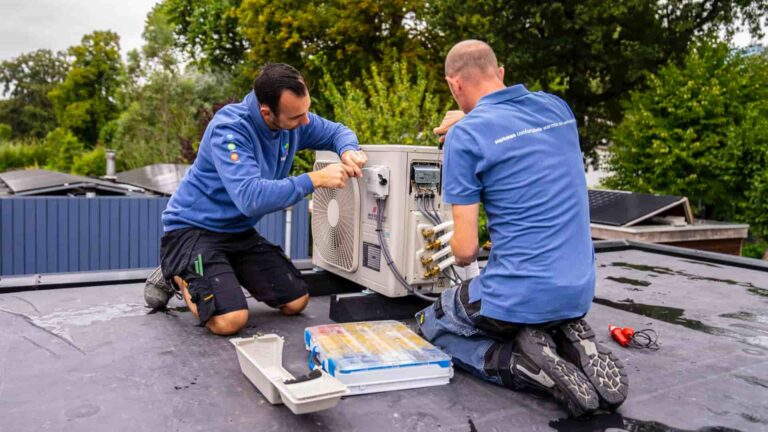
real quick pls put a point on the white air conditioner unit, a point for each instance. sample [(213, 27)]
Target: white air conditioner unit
[(406, 181)]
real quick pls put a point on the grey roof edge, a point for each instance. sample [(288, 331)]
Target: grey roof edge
[(706, 256), (74, 279), (43, 281)]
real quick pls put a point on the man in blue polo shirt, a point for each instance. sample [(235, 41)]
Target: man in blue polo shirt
[(241, 173), (519, 322)]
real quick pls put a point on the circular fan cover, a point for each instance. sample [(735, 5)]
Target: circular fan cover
[(335, 223)]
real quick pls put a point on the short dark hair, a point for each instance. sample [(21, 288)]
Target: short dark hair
[(273, 79)]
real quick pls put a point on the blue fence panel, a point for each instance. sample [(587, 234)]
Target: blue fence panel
[(300, 230), (63, 234)]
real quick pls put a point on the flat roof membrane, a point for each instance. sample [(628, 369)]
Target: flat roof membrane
[(93, 359)]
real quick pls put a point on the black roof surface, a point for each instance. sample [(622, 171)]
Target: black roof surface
[(92, 359)]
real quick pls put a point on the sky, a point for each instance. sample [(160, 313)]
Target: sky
[(27, 25)]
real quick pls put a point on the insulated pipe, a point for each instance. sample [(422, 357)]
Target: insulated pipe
[(436, 256), (429, 232), (447, 263), (443, 226), (444, 239)]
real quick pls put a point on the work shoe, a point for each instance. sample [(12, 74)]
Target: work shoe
[(576, 342), (536, 365), (157, 292)]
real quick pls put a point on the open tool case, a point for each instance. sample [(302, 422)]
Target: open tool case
[(377, 356)]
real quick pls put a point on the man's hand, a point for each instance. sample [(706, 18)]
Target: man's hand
[(355, 159), (333, 176), (451, 117)]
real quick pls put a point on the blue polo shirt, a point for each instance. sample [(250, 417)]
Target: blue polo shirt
[(242, 168), (518, 153)]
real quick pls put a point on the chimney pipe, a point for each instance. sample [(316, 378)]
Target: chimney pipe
[(110, 175)]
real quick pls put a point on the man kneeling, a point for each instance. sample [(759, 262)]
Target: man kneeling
[(519, 323), (241, 173)]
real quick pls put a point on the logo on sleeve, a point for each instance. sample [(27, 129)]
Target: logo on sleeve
[(231, 146), (234, 157), (285, 151)]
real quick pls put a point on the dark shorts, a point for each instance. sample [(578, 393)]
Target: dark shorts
[(216, 265)]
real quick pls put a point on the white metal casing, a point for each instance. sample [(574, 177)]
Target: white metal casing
[(402, 221)]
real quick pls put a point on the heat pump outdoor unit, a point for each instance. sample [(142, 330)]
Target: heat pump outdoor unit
[(401, 192)]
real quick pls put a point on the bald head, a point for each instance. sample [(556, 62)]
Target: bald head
[(471, 57)]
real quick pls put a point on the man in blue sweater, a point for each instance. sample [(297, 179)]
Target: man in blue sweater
[(210, 248), (518, 323)]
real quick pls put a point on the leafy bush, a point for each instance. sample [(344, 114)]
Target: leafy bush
[(22, 154), (755, 249), (395, 108), (91, 163), (700, 130), (64, 148), (5, 132)]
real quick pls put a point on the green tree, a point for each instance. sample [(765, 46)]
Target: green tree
[(343, 37), (91, 163), (700, 130), (161, 124), (396, 110), (64, 148), (591, 52), (208, 31), (25, 82), (86, 100), (164, 104)]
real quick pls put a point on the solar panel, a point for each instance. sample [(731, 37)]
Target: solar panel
[(620, 208), (43, 182), (161, 178)]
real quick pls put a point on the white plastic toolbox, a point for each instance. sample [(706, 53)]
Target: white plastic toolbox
[(377, 356), (261, 360)]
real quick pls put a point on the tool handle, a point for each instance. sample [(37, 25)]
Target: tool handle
[(618, 336)]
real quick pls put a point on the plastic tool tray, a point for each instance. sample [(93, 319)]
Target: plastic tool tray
[(261, 360), (377, 356)]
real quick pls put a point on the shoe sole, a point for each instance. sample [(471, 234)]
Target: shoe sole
[(155, 295), (603, 369), (572, 387)]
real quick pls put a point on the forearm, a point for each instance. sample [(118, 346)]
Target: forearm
[(464, 251), (259, 196)]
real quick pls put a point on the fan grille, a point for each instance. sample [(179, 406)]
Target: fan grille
[(335, 223)]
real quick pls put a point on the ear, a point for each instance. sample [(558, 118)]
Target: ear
[(453, 83), (501, 73), (265, 111)]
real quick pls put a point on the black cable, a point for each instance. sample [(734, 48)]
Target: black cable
[(452, 279), (434, 210), (421, 203), (645, 339)]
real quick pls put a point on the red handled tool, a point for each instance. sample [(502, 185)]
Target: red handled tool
[(628, 337), (618, 335)]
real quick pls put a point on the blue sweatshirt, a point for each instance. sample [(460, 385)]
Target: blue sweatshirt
[(242, 166)]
